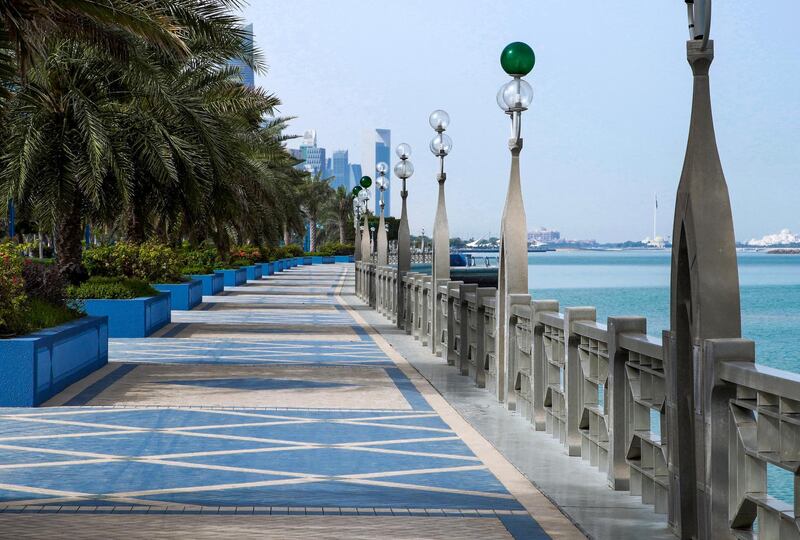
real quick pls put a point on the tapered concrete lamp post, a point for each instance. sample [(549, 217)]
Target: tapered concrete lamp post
[(383, 244), (403, 170), (704, 305), (363, 196), (514, 97), (440, 146), (356, 222)]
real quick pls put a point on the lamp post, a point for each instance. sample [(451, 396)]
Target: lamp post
[(704, 305), (356, 223), (403, 170), (514, 97), (365, 183), (381, 241), (440, 146), (373, 240)]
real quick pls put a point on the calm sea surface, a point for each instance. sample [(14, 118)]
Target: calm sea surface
[(637, 283)]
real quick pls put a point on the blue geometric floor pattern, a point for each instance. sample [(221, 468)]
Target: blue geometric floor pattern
[(257, 384), (224, 351), (287, 460)]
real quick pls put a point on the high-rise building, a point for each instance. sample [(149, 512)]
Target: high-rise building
[(355, 174), (245, 71), (340, 169), (377, 148), (313, 156)]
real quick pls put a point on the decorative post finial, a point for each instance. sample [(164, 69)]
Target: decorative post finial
[(514, 97)]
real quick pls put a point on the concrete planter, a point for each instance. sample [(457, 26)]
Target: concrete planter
[(308, 260), (232, 278), (185, 296), (212, 283), (253, 272), (266, 269), (344, 258), (36, 367), (327, 260), (134, 318)]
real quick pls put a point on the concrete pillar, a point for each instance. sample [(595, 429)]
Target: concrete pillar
[(403, 258), (704, 305), (618, 470), (539, 417)]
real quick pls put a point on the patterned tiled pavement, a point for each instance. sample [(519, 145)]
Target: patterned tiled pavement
[(271, 411)]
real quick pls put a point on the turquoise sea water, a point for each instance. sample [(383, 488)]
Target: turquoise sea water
[(637, 283)]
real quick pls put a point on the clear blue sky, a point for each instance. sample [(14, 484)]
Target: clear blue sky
[(608, 125)]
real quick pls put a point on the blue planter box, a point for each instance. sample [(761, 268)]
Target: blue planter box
[(36, 367), (328, 260), (253, 272), (134, 318), (232, 278), (344, 258), (185, 296), (212, 283), (308, 260)]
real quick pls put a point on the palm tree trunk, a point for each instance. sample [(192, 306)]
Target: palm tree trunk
[(135, 229), (342, 225), (312, 234), (285, 234), (68, 240)]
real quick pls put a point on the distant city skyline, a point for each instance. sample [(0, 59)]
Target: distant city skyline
[(608, 125)]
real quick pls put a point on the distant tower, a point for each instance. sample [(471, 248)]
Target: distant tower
[(377, 148), (340, 169), (655, 219), (313, 156), (245, 71)]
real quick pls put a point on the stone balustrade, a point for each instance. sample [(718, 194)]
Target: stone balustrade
[(601, 391)]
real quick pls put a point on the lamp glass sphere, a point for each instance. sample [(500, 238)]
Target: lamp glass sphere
[(439, 120), (441, 145), (404, 169), (403, 151), (363, 196), (365, 182), (517, 59), (516, 95), (381, 168), (383, 183)]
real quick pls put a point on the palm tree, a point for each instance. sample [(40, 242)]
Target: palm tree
[(316, 192), (25, 25), (341, 206)]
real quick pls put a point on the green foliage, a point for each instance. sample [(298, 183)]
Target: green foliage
[(293, 250), (44, 282), (13, 299), (150, 262), (251, 254), (42, 314), (335, 248), (200, 260), (117, 288)]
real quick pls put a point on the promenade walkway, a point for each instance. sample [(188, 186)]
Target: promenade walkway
[(271, 411)]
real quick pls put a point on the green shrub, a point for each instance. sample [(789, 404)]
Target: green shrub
[(41, 314), (13, 299), (293, 250), (157, 263), (113, 288), (335, 248), (151, 262), (200, 260), (238, 263), (252, 254)]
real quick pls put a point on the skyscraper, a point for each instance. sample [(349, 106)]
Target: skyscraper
[(245, 71), (355, 174), (340, 169), (313, 156), (377, 148)]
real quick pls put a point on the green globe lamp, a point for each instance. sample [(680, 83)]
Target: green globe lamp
[(365, 182), (515, 96)]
